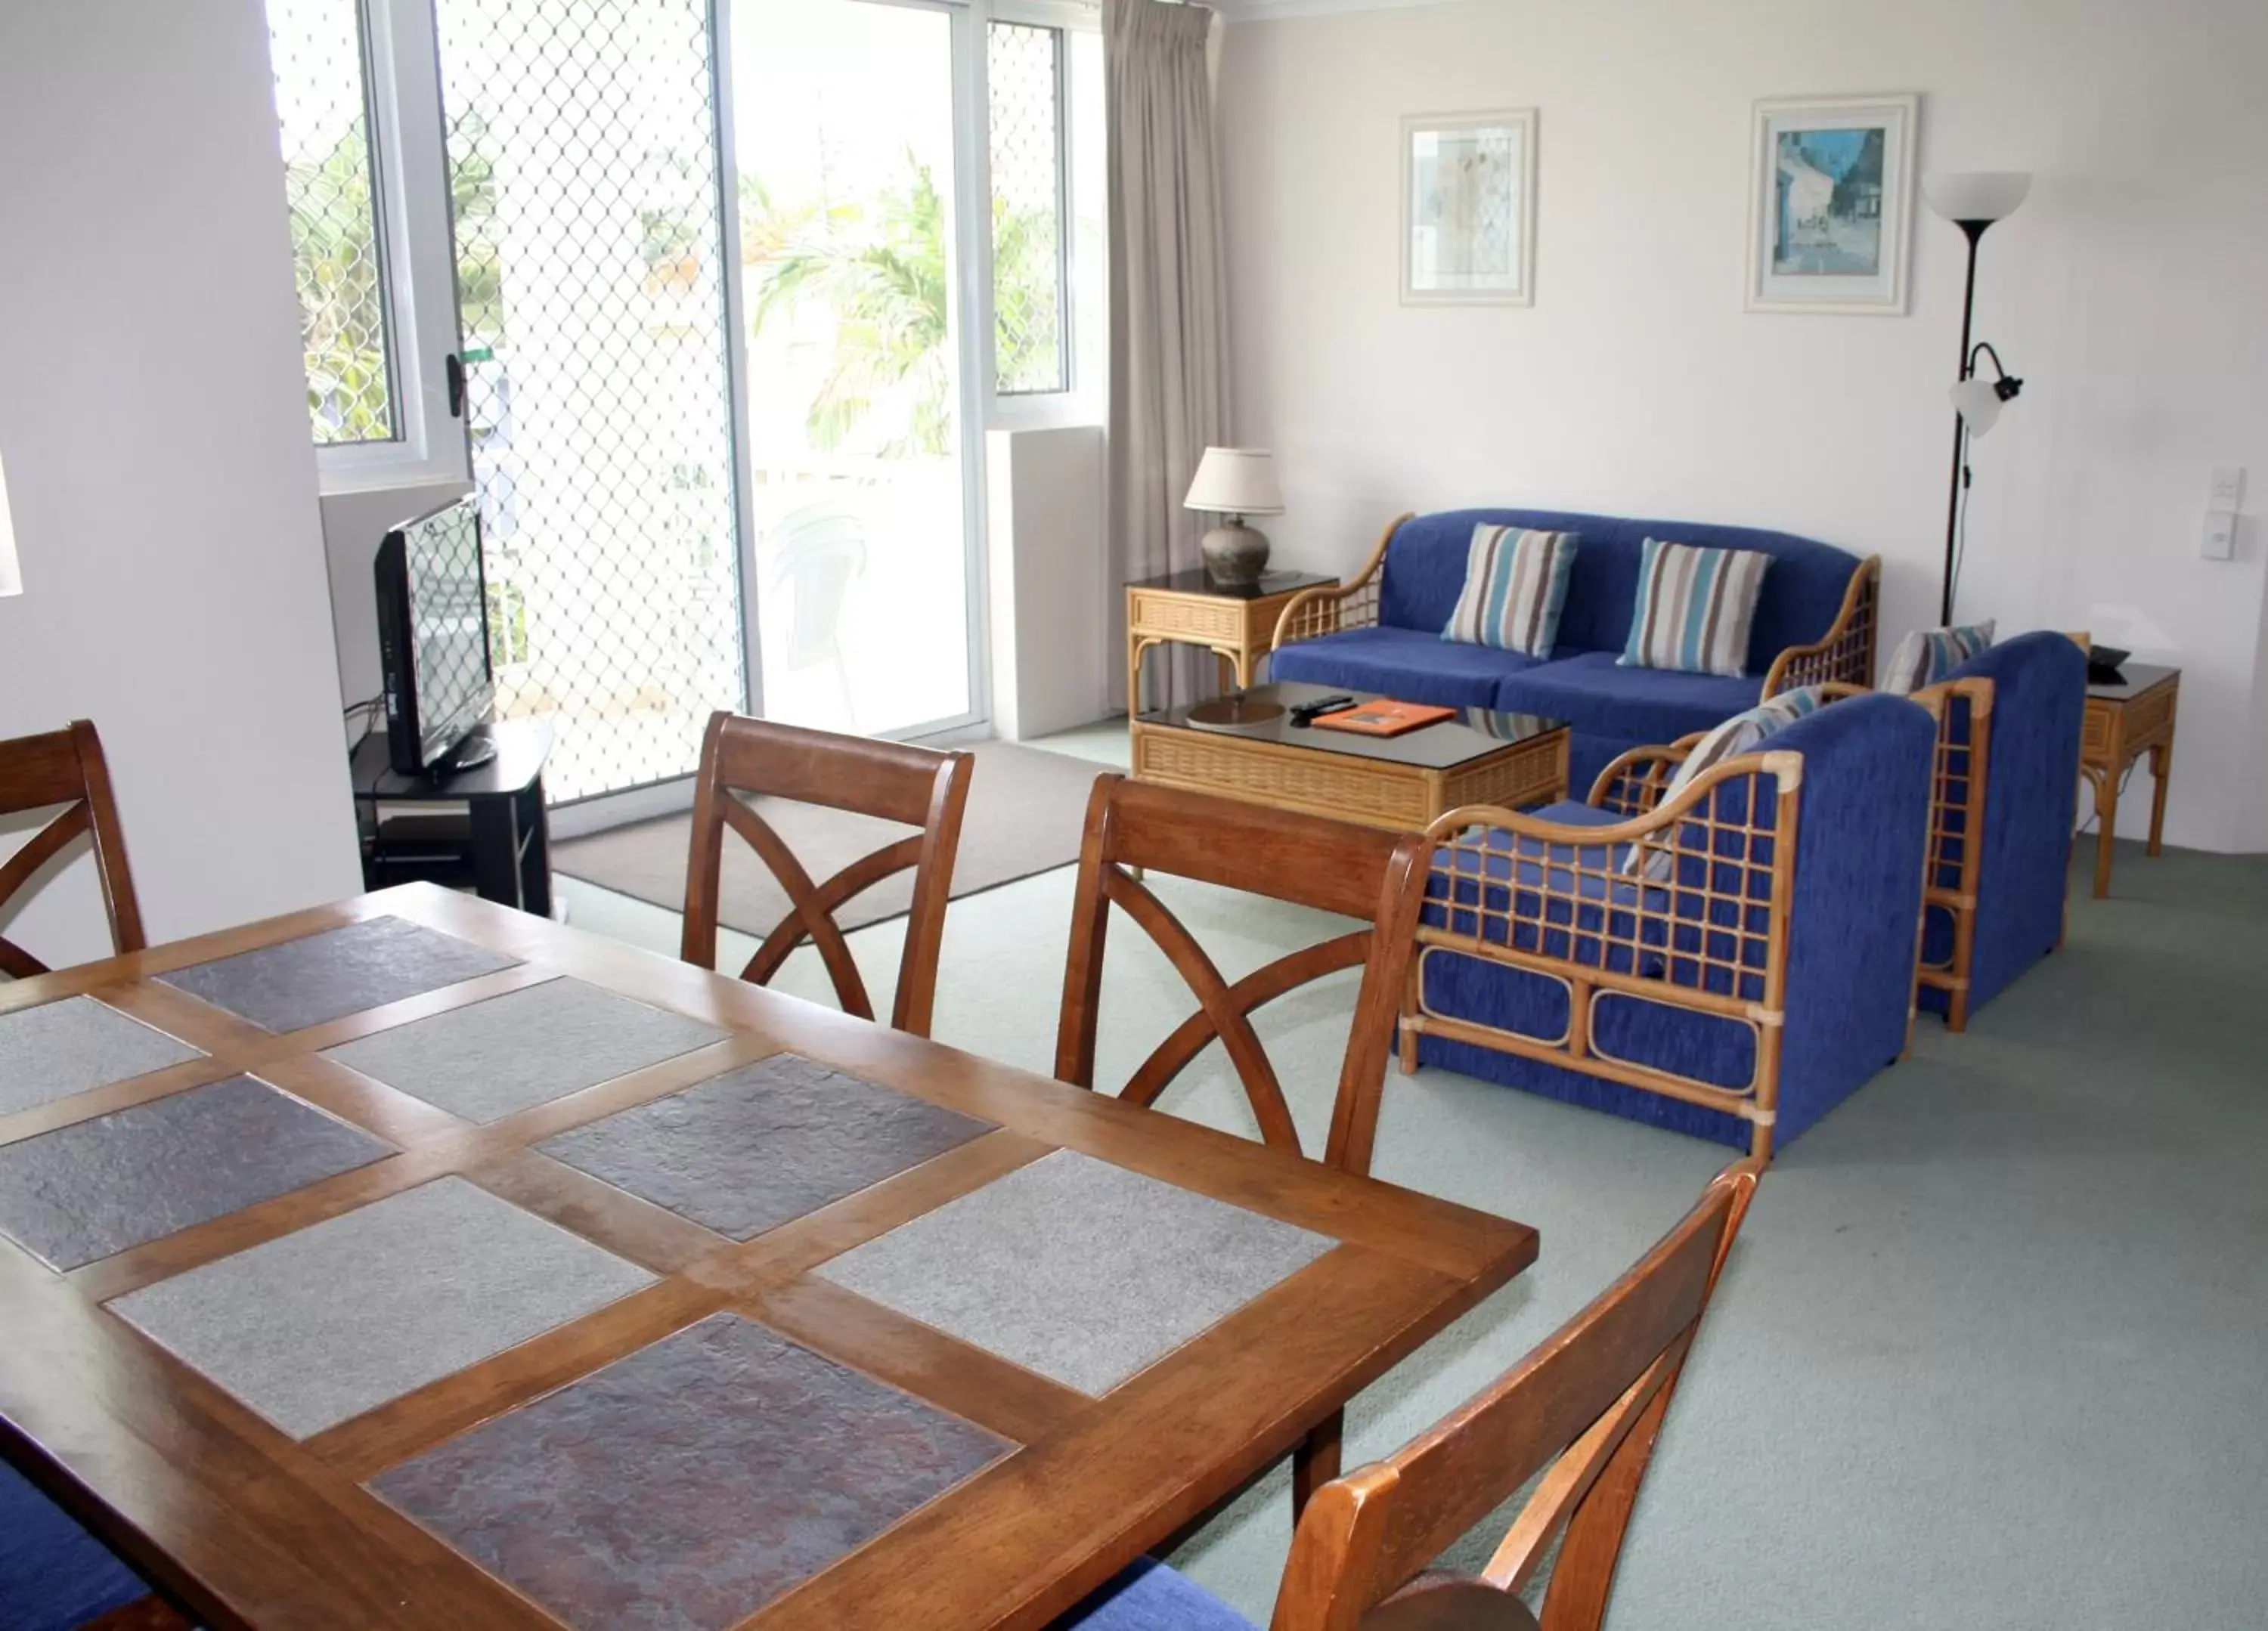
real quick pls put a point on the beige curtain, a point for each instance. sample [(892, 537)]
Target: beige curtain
[(1168, 301)]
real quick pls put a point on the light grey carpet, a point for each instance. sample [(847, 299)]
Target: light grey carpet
[(1990, 1351), (1026, 808)]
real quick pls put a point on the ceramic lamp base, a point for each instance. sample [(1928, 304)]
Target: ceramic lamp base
[(1235, 555)]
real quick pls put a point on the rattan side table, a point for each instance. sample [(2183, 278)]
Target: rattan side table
[(1188, 608), (2123, 722)]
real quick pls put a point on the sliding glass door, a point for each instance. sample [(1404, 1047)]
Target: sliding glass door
[(717, 369), (584, 168), (854, 422)]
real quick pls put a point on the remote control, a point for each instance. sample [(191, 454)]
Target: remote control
[(1307, 713)]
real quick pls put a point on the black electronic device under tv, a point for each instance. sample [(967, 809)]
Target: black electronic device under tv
[(433, 637)]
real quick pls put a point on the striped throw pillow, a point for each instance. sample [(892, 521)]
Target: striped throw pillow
[(1742, 733), (1515, 587), (1694, 608), (1927, 654)]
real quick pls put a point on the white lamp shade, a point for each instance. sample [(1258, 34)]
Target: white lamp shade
[(1236, 480), (1975, 194), (1978, 403)]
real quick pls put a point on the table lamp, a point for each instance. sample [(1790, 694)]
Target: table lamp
[(1235, 482), (1973, 200)]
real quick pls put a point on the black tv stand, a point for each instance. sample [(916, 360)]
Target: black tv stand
[(469, 754), (498, 844)]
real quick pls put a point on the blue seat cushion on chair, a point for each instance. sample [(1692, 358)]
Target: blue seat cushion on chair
[(1600, 698), (1151, 1596), (53, 1574), (1522, 891), (2039, 696), (1410, 665)]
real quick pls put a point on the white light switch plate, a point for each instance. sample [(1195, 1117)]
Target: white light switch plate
[(2227, 492), (2219, 535)]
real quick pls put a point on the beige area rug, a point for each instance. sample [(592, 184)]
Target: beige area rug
[(1025, 809)]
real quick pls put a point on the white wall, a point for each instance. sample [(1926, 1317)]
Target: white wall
[(1049, 579), (153, 421), (2127, 292)]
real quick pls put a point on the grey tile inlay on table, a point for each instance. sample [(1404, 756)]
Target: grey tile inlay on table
[(756, 1147), (327, 976), (322, 1324), (684, 1486), (527, 1047), (1078, 1269), (71, 1047), (99, 1187)]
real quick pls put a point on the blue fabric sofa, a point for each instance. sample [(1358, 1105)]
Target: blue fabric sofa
[(2011, 718), (1748, 969), (1380, 631)]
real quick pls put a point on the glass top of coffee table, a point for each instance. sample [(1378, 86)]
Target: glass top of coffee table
[(1266, 713)]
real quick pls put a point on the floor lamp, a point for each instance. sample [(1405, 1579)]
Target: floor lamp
[(1973, 200)]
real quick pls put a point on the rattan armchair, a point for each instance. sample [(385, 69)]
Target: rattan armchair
[(1676, 943)]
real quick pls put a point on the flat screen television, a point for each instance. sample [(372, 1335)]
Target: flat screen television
[(433, 637)]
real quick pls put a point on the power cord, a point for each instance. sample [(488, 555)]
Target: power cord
[(2123, 780)]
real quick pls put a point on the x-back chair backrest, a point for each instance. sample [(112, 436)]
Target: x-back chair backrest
[(1587, 1404), (887, 780), (65, 768), (1337, 866)]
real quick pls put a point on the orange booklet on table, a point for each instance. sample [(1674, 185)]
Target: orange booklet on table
[(1383, 717)]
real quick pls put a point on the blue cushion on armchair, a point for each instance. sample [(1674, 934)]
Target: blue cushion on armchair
[(1410, 665), (2039, 696), (1149, 1597), (1597, 694), (53, 1574)]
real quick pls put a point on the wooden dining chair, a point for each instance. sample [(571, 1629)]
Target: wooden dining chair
[(1585, 1409), (1358, 871), (916, 786), (65, 768)]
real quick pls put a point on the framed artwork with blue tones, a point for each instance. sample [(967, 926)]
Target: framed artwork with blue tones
[(1468, 209), (1829, 201)]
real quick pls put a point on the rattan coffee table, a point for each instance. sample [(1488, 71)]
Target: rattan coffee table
[(1402, 781)]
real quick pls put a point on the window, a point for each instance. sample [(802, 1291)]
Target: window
[(1024, 66), (358, 106), (330, 181), (1044, 95)]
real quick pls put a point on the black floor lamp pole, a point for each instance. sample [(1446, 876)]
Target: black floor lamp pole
[(1972, 230)]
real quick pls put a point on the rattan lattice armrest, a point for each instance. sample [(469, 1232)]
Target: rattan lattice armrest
[(1330, 608), (1846, 651)]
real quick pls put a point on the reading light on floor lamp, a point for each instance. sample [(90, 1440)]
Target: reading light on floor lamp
[(1973, 200)]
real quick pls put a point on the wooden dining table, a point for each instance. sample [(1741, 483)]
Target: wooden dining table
[(413, 1261)]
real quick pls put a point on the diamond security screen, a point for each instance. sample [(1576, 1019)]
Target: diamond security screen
[(589, 245), (1024, 65), (330, 183)]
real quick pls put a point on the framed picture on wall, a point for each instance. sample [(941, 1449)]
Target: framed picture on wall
[(1829, 203), (1468, 209)]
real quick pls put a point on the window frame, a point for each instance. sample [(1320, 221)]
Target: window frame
[(401, 89), (1081, 400)]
